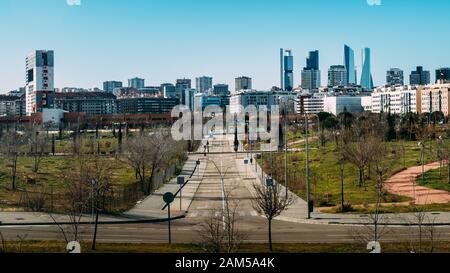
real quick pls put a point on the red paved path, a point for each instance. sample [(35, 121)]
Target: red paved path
[(404, 183)]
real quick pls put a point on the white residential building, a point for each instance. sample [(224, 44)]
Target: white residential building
[(395, 99)]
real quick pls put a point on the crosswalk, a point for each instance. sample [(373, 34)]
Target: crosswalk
[(205, 214)]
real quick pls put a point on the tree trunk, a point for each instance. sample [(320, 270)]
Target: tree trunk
[(361, 177), (270, 235)]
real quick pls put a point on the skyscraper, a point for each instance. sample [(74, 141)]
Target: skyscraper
[(394, 76), (203, 84), (243, 83), (419, 77), (337, 76), (349, 63), (311, 73), (366, 75), (286, 70), (136, 83), (109, 86), (39, 81), (443, 74)]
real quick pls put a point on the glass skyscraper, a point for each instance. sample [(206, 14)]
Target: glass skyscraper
[(366, 75), (286, 70), (349, 63), (311, 73)]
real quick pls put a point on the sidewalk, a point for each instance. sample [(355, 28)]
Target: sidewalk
[(151, 207)]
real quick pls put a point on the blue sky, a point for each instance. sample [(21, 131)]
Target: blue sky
[(162, 40)]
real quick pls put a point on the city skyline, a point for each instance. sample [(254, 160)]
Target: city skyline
[(82, 61)]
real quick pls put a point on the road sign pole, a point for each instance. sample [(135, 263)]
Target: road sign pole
[(170, 232), (181, 197)]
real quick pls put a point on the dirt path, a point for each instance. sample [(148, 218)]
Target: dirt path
[(404, 183)]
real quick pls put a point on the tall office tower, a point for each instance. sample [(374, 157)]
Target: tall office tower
[(168, 90), (39, 81), (443, 74), (243, 83), (136, 83), (366, 75), (419, 77), (109, 86), (182, 85), (221, 90), (311, 73), (394, 76), (349, 63), (203, 84), (337, 76), (286, 70)]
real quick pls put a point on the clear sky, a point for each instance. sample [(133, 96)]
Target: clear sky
[(161, 40)]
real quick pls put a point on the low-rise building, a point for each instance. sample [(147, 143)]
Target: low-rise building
[(93, 103), (434, 98), (146, 105), (246, 98)]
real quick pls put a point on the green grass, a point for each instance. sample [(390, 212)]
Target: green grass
[(48, 179), (59, 247), (325, 173), (435, 179)]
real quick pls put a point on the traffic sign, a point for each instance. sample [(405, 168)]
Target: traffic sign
[(168, 197), (246, 161), (269, 182), (180, 180)]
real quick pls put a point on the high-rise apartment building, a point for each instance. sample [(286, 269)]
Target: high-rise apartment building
[(203, 84), (443, 75), (221, 90), (182, 85), (419, 77), (136, 83), (349, 63), (39, 81), (394, 77), (337, 76), (109, 86), (243, 83), (286, 70), (366, 75)]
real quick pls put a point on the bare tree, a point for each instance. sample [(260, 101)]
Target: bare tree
[(271, 201), (219, 232), (147, 154), (38, 140), (10, 148)]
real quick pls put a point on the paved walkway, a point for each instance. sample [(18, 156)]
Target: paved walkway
[(404, 183)]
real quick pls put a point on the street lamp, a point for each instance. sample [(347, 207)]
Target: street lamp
[(422, 146)]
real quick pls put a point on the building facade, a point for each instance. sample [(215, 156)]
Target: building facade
[(394, 76), (366, 75), (337, 76), (311, 73), (221, 90), (168, 90), (443, 75), (39, 81), (182, 85), (146, 105), (434, 98), (246, 98), (286, 69), (243, 83), (349, 63), (92, 103), (419, 77), (395, 100), (203, 84), (136, 83), (109, 86)]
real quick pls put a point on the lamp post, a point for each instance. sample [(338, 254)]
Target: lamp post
[(308, 186), (422, 146)]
